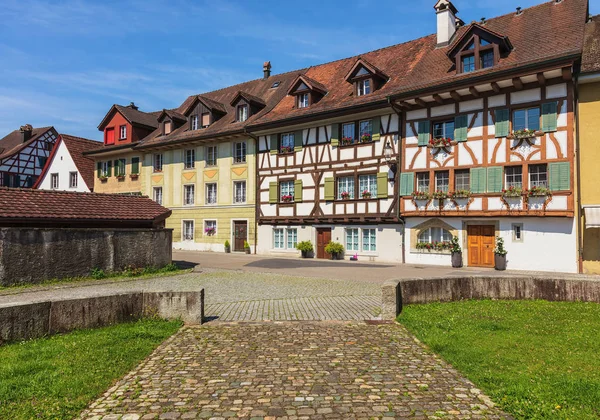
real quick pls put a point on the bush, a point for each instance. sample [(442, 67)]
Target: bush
[(227, 244), (97, 273), (246, 245), (334, 248), (305, 246)]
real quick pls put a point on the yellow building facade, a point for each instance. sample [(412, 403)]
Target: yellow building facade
[(210, 187), (118, 171)]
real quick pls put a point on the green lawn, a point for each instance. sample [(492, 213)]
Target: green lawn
[(536, 359), (58, 376)]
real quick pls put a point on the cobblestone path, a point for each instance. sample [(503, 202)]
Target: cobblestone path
[(292, 371), (298, 309)]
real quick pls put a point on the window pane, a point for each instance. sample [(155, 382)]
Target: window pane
[(533, 118), (438, 130), (424, 236), (286, 190), (278, 239), (462, 180), (442, 181), (538, 176), (367, 84), (287, 142), (423, 182), (366, 128), (369, 243), (487, 59), (352, 239), (292, 238), (348, 132), (211, 193), (367, 184), (239, 192), (468, 63), (514, 176), (345, 187)]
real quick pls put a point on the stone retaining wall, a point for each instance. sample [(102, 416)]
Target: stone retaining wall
[(401, 292), (32, 255), (33, 320)]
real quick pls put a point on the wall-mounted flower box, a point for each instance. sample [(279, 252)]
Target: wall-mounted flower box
[(345, 195), (366, 195), (287, 198), (120, 177), (210, 231), (134, 176), (286, 149), (436, 246), (524, 134), (365, 138), (439, 195), (537, 192), (459, 194), (512, 192), (440, 142), (103, 178), (421, 195), (346, 141)]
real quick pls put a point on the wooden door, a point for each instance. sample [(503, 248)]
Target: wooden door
[(240, 235), (480, 245), (323, 238)]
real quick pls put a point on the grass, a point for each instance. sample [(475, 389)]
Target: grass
[(57, 377), (535, 359), (137, 273)]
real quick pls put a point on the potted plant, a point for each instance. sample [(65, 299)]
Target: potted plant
[(439, 195), (512, 192), (537, 192), (210, 231), (247, 247), (227, 247), (121, 177), (500, 255), (287, 198), (458, 194), (365, 138), (305, 248), (345, 141), (103, 178), (335, 249), (366, 194), (456, 253), (345, 195), (285, 149), (421, 195), (134, 176)]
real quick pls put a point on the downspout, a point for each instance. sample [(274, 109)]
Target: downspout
[(256, 187), (578, 177), (397, 175)]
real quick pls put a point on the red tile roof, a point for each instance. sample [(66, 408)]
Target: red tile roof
[(30, 204), (13, 143), (590, 61), (133, 115), (85, 165)]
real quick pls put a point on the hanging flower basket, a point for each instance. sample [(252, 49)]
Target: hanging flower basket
[(512, 192), (287, 198)]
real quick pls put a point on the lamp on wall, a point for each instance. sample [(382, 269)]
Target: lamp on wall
[(392, 162)]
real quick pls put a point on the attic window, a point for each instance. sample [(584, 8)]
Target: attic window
[(275, 84), (363, 87), (478, 54), (365, 77), (242, 113), (167, 127)]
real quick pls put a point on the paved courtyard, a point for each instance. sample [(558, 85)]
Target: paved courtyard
[(292, 370)]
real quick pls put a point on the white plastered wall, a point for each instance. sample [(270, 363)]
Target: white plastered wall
[(62, 164)]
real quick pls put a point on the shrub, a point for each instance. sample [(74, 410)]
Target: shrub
[(500, 250), (334, 248), (246, 245), (97, 273), (455, 245), (227, 244), (305, 246)]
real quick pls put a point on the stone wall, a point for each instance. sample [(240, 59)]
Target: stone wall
[(401, 292), (33, 320), (32, 255)]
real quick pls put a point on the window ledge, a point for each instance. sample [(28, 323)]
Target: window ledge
[(433, 252), (353, 200), (286, 204), (357, 143)]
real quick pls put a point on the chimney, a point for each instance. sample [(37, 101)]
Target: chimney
[(26, 132), (446, 21), (267, 70), (132, 106), (519, 12)]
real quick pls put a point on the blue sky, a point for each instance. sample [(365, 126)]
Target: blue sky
[(64, 63)]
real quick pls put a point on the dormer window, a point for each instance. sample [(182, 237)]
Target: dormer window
[(303, 100), (194, 122), (363, 87), (242, 113), (472, 58), (205, 119), (167, 127), (468, 63), (366, 77), (307, 91), (487, 59)]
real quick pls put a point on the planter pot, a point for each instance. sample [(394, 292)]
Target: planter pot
[(227, 249), (247, 250), (457, 261), (337, 257), (500, 262), (304, 254)]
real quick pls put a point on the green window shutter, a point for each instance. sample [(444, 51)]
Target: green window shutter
[(478, 180), (549, 116), (335, 134), (502, 125), (122, 166), (273, 192), (273, 144), (135, 165), (376, 136), (461, 125), (382, 185), (329, 189), (494, 181), (109, 171), (298, 190), (298, 141), (560, 176), (407, 183), (424, 135), (99, 168)]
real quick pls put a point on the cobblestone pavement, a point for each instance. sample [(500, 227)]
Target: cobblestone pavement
[(292, 371), (340, 308)]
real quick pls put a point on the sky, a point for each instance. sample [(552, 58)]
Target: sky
[(64, 63)]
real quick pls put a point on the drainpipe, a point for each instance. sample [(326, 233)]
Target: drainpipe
[(256, 187), (400, 125), (578, 178)]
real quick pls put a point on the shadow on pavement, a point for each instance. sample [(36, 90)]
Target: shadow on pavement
[(284, 263), (184, 265)]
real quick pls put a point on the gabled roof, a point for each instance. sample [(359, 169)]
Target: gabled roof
[(39, 205), (248, 97), (362, 62), (468, 32), (13, 143), (173, 115), (132, 115), (590, 61), (209, 103), (310, 83)]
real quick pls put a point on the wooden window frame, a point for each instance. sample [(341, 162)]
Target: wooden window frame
[(357, 134), (442, 120), (416, 189), (299, 95), (157, 168), (505, 177), (216, 156), (245, 154), (54, 176), (194, 122), (526, 109), (185, 195), (455, 173), (71, 183), (529, 173), (122, 128), (357, 85), (206, 187), (279, 192), (280, 142), (185, 159), (154, 195), (476, 52), (183, 230), (435, 179), (235, 184), (356, 177), (237, 112)]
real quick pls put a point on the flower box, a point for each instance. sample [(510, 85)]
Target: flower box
[(421, 195), (345, 195), (120, 177), (134, 176), (346, 141), (524, 134), (440, 142), (210, 231), (439, 195), (287, 198), (442, 246), (286, 149), (512, 192), (459, 194), (537, 192), (365, 138), (103, 178), (366, 195)]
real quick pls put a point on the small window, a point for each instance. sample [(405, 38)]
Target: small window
[(210, 227), (54, 181), (278, 242), (538, 176), (367, 185), (104, 168), (345, 188), (135, 165), (514, 176), (123, 132), (462, 180), (487, 59), (239, 192), (242, 113), (158, 162), (287, 143), (369, 240), (292, 238), (194, 122), (352, 239), (205, 120), (239, 152), (517, 230), (188, 230), (468, 63), (168, 127), (157, 193), (73, 179), (365, 130), (423, 182), (526, 119), (120, 167), (286, 191), (443, 130), (434, 234), (348, 133), (303, 100), (442, 181), (211, 155), (275, 84), (42, 161), (363, 87), (211, 193), (188, 194), (190, 158)]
